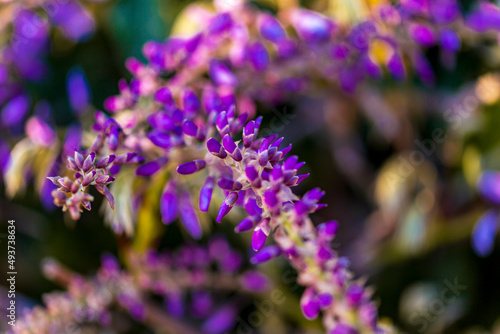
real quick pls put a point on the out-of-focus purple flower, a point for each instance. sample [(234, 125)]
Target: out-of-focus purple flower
[(258, 56), (271, 28), (40, 132), (221, 75), (311, 26), (489, 186), (485, 17), (14, 112), (78, 90), (221, 321), (444, 11), (188, 215), (255, 281), (73, 139), (150, 168), (396, 67), (483, 236), (449, 40), (422, 34), (169, 203), (74, 20)]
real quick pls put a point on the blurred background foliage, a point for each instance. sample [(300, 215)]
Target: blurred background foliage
[(410, 237)]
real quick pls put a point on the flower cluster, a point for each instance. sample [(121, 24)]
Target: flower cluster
[(256, 174), (186, 108), (23, 59), (175, 282)]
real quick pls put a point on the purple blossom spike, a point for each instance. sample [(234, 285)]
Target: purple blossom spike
[(191, 167), (266, 254), (169, 203), (206, 194), (227, 205)]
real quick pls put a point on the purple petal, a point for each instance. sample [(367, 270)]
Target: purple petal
[(206, 194), (169, 203), (221, 75), (148, 169), (191, 167), (265, 254), (271, 28), (189, 217)]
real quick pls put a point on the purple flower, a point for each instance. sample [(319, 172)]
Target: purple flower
[(312, 27), (221, 75), (422, 34), (270, 28), (483, 236), (221, 320), (72, 18), (14, 112), (78, 90), (489, 186), (40, 132), (149, 168)]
